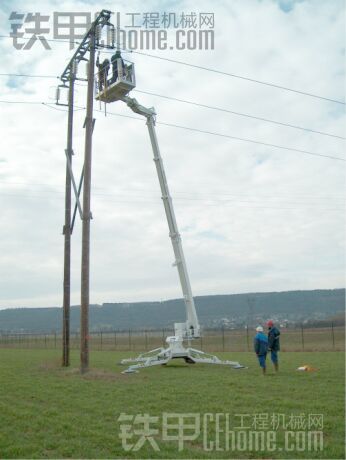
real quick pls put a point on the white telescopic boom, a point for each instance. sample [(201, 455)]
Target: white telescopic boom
[(191, 328)]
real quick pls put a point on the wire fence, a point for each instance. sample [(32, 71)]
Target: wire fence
[(298, 339)]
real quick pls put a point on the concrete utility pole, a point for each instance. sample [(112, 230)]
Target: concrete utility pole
[(67, 232), (89, 125)]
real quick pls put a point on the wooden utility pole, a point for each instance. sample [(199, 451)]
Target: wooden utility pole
[(87, 45), (89, 125), (67, 231)]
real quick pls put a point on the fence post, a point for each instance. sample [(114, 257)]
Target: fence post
[(303, 337), (101, 340), (223, 338), (201, 341), (55, 339), (146, 340), (129, 339), (333, 338), (247, 337), (115, 340), (163, 337), (45, 341)]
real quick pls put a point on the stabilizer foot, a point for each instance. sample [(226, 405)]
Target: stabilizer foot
[(161, 356)]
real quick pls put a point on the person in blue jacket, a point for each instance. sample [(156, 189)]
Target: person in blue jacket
[(261, 347), (273, 343)]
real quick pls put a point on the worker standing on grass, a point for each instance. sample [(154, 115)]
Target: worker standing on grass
[(273, 343), (261, 347)]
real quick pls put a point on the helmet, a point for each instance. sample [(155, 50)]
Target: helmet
[(259, 329), (270, 323)]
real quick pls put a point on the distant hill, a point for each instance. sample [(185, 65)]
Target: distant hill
[(337, 320), (233, 310)]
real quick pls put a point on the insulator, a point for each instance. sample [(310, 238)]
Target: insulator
[(110, 35), (98, 32), (74, 67), (57, 94)]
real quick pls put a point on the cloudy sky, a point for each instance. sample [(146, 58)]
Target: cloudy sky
[(253, 218)]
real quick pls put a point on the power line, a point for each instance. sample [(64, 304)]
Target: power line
[(239, 114), (231, 137), (26, 75), (58, 40), (238, 76), (197, 104), (206, 202), (227, 136), (52, 105), (193, 193), (21, 102), (220, 72), (253, 141)]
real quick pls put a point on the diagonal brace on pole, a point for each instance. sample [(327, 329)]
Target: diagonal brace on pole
[(69, 165), (76, 205)]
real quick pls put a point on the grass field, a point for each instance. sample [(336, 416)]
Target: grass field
[(50, 412)]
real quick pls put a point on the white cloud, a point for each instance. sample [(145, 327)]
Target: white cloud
[(252, 218)]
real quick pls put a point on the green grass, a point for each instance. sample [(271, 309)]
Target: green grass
[(50, 412)]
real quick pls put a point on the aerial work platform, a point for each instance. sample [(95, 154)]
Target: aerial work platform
[(117, 88), (110, 90)]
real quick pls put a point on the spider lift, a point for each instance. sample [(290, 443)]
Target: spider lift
[(111, 91)]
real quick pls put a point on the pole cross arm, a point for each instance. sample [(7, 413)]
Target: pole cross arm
[(84, 47)]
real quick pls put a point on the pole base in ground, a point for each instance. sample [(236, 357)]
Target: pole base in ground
[(175, 350)]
